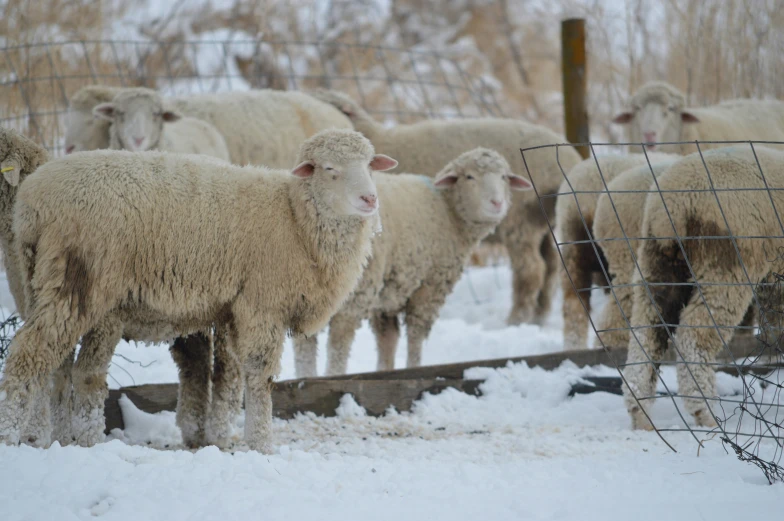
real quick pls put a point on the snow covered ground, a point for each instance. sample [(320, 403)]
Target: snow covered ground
[(522, 450)]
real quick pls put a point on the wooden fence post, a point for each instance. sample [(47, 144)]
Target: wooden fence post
[(575, 82)]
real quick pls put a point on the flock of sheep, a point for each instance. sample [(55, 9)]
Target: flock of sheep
[(160, 241)]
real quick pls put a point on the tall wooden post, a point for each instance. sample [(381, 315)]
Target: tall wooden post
[(575, 82)]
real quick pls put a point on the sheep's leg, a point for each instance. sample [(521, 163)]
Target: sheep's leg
[(342, 329), (576, 304), (61, 403), (612, 320), (698, 346), (193, 356), (386, 329), (227, 387), (544, 300), (649, 337), (262, 348), (89, 382), (750, 319), (38, 348), (528, 274), (305, 355), (421, 312)]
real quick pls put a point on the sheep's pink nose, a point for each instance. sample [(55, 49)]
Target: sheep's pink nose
[(370, 200), (496, 203), (69, 149), (138, 141), (650, 137)]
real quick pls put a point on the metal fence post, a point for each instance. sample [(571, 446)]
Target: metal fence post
[(575, 82)]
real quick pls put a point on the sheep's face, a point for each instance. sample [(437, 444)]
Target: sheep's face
[(480, 184), (346, 189), (85, 132), (137, 120), (655, 122)]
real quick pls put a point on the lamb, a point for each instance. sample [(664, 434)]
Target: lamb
[(83, 131), (141, 122), (299, 241), (658, 114), (574, 213), (429, 230), (425, 147), (260, 127), (725, 277)]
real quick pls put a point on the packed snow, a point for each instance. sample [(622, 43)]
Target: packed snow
[(522, 450)]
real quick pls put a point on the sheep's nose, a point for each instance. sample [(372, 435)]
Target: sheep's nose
[(69, 149), (138, 141), (496, 203), (370, 200), (650, 137)]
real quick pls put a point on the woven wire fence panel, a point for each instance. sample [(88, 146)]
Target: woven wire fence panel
[(397, 86), (687, 255)]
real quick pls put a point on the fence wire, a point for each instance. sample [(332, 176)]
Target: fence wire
[(688, 255), (395, 85)]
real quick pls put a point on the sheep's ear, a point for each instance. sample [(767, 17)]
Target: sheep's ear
[(688, 117), (623, 118), (446, 178), (347, 109), (381, 163), (104, 111), (303, 170), (10, 172), (169, 116), (519, 183)]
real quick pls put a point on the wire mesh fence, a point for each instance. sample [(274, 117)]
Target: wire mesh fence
[(395, 85), (687, 253)]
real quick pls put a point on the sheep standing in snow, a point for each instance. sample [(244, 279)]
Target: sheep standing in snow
[(425, 147), (260, 127), (83, 130), (141, 122), (429, 230), (658, 114), (725, 277), (574, 213), (298, 241)]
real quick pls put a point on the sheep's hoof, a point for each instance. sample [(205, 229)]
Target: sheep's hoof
[(518, 316), (640, 422), (704, 418), (261, 447)]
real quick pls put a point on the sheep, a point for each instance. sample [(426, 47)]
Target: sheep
[(19, 157), (574, 214), (426, 146), (618, 215), (725, 276), (658, 114), (260, 127), (83, 130), (140, 122), (429, 230), (109, 234)]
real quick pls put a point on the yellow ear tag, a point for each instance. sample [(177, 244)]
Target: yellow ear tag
[(6, 169)]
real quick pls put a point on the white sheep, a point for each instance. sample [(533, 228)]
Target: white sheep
[(574, 213), (658, 114), (742, 207), (260, 127), (141, 122), (298, 242), (83, 131), (429, 230), (425, 147)]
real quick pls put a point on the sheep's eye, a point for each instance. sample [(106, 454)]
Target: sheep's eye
[(671, 109), (328, 168), (470, 177)]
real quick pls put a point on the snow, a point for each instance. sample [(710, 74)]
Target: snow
[(521, 450)]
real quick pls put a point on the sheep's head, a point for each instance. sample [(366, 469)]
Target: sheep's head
[(656, 114), (137, 117), (19, 156), (83, 130), (337, 165), (480, 183)]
